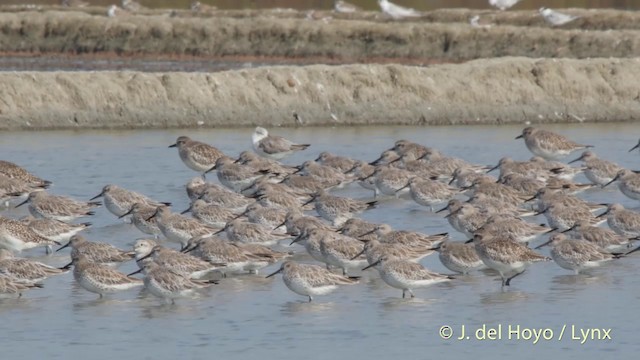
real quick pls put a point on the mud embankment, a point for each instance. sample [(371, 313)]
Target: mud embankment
[(440, 36), (496, 91)]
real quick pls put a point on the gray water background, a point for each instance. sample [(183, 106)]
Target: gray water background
[(250, 317)]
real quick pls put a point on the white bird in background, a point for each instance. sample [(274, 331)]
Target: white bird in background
[(397, 11), (344, 7), (503, 4), (556, 18), (475, 22)]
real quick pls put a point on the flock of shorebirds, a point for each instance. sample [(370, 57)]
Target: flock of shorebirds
[(259, 202), (393, 11)]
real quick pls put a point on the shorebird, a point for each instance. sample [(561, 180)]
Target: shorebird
[(360, 229), (556, 18), (503, 4), (605, 238), (143, 219), (311, 280), (628, 182), (210, 214), (180, 263), (363, 172), (344, 7), (427, 192), (237, 257), (120, 201), (16, 236), (406, 275), (15, 189), (274, 147), (56, 207), (327, 174), (57, 231), (235, 176), (26, 270), (16, 172), (196, 6), (598, 171), (374, 250), (100, 279), (97, 252), (197, 155), (341, 163), (509, 258), (397, 11), (227, 199), (459, 257), (241, 231), (337, 209), (514, 228), (297, 223), (576, 255), (623, 221), (341, 251), (549, 145), (412, 239), (197, 186), (132, 5), (178, 228), (9, 288), (562, 217), (170, 285)]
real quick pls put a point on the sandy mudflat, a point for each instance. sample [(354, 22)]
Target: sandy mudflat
[(492, 91)]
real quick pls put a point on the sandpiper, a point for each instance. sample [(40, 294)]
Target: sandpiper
[(143, 219), (57, 231), (311, 280), (338, 209), (507, 257), (26, 270), (340, 163), (549, 145), (16, 236), (623, 221), (170, 285), (119, 200), (197, 155), (604, 238), (178, 228), (406, 275), (10, 288), (242, 231), (628, 182), (210, 214), (274, 147), (235, 176), (16, 172), (360, 229), (576, 255), (56, 207), (97, 252), (427, 192), (180, 263), (598, 171), (459, 257), (100, 279), (413, 239)]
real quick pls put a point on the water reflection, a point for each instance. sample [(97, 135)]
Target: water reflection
[(503, 296), (293, 308)]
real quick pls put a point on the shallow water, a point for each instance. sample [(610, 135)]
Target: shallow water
[(249, 316)]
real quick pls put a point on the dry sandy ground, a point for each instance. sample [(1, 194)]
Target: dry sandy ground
[(444, 35), (492, 91)]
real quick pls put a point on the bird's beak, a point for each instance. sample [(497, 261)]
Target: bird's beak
[(97, 196), (270, 275), (543, 244), (372, 265)]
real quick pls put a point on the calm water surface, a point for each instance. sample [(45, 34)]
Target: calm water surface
[(249, 316)]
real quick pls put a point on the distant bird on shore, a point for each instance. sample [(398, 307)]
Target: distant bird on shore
[(115, 11), (475, 22), (274, 147), (503, 4), (132, 5), (197, 6), (397, 11), (344, 7), (556, 18), (74, 3)]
